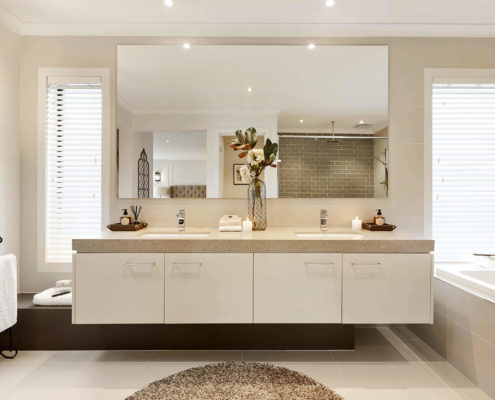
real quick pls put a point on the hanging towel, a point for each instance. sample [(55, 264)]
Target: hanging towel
[(8, 291)]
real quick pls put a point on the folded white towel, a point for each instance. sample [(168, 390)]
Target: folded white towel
[(45, 298), (8, 291), (63, 283), (230, 228), (230, 220)]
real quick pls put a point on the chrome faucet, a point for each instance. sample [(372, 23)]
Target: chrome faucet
[(181, 220), (323, 219)]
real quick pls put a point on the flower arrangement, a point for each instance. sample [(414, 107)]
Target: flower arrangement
[(257, 159)]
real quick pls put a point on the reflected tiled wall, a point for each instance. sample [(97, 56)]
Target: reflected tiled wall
[(322, 168)]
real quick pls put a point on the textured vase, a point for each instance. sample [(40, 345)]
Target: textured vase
[(257, 204)]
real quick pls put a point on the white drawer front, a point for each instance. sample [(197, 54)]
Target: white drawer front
[(387, 288), (119, 288), (297, 288), (208, 288)]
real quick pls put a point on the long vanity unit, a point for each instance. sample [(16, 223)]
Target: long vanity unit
[(282, 277)]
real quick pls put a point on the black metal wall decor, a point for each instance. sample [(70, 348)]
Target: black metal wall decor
[(143, 176)]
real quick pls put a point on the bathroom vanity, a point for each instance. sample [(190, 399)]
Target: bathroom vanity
[(279, 276)]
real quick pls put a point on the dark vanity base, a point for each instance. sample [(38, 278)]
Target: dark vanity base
[(48, 328)]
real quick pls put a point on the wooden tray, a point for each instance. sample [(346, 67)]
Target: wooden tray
[(130, 227), (370, 226)]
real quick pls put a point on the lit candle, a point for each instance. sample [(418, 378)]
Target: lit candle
[(247, 226), (357, 224)]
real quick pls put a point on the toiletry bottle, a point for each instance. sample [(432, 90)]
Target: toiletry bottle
[(379, 219), (125, 219)]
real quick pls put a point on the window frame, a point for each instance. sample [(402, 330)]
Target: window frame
[(43, 75), (430, 74)]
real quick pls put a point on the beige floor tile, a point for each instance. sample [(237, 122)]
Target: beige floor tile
[(195, 356), (100, 356), (287, 356), (387, 364)]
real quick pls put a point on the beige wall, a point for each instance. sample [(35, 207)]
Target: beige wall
[(404, 207), (9, 141)]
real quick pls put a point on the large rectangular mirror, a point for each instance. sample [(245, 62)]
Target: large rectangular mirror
[(178, 110)]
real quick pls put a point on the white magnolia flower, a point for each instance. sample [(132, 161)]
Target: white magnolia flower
[(255, 156), (245, 174)]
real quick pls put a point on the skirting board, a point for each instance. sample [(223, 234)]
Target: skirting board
[(48, 328)]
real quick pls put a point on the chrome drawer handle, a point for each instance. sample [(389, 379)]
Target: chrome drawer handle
[(182, 264), (150, 264), (317, 264), (366, 265)]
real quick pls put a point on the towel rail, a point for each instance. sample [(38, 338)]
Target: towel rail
[(9, 348)]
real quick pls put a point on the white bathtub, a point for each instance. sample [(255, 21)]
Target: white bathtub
[(477, 278)]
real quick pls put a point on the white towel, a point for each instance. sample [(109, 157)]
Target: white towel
[(230, 228), (45, 298), (8, 291), (230, 220), (64, 283)]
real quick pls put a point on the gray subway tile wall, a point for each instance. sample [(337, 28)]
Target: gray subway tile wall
[(324, 168)]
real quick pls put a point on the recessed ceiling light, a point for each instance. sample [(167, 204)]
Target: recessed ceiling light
[(361, 122), (311, 46), (167, 141), (249, 89), (168, 3), (330, 3), (301, 121), (186, 45)]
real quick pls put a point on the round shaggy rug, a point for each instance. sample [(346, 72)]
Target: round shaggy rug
[(236, 381)]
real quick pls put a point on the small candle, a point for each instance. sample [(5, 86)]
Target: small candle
[(247, 226), (357, 224)]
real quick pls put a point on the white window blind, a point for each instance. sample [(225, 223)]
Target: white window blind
[(73, 164), (463, 167)]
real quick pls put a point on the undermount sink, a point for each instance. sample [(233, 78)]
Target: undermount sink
[(168, 234), (330, 235)]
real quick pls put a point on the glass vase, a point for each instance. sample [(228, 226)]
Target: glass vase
[(257, 204)]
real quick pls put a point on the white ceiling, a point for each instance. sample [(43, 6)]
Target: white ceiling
[(179, 146), (342, 83), (269, 17)]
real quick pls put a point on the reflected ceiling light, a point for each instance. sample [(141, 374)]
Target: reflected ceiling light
[(301, 121), (167, 141), (187, 45), (361, 122), (249, 89), (311, 46), (330, 3), (168, 3)]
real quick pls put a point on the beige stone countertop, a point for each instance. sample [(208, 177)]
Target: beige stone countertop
[(272, 240)]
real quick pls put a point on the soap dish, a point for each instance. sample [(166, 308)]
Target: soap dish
[(130, 227), (370, 226)]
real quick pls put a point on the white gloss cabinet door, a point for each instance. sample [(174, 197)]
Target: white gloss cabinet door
[(297, 288), (208, 288), (119, 288), (387, 288)]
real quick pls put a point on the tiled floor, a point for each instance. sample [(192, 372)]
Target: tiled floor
[(387, 364)]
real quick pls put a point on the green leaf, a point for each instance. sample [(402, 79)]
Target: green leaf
[(251, 136), (240, 138), (267, 149)]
